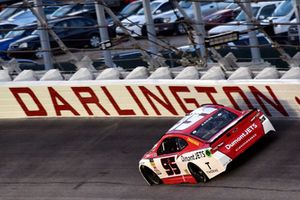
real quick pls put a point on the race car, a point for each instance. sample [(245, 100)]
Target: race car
[(202, 144)]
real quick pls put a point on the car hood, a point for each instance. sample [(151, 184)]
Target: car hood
[(134, 18), (227, 28), (27, 39), (4, 43)]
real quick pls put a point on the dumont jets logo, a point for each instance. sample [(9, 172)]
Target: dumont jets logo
[(242, 136)]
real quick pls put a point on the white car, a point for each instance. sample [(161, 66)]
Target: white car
[(284, 13), (136, 23), (260, 10), (169, 21)]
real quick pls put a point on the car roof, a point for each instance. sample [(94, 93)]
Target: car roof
[(67, 18), (188, 124), (194, 118), (264, 3)]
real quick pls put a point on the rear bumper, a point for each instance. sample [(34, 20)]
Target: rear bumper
[(267, 125)]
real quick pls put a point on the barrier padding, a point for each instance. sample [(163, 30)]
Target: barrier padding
[(145, 98)]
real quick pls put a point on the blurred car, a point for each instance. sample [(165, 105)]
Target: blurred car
[(88, 10), (136, 24), (260, 10), (221, 16), (201, 145), (14, 35), (26, 16), (131, 9), (242, 51), (75, 32), (17, 7), (284, 13), (172, 21)]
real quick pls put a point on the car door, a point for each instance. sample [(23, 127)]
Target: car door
[(63, 30), (167, 153)]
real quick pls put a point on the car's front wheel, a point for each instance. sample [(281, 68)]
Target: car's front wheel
[(150, 176), (197, 173), (181, 28)]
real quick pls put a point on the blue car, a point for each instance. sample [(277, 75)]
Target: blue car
[(14, 35)]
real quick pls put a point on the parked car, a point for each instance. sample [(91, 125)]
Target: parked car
[(17, 7), (260, 10), (242, 51), (88, 10), (26, 16), (14, 35), (135, 24), (284, 13), (131, 9), (66, 29), (172, 21), (221, 16)]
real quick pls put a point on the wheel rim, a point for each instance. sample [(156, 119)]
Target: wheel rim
[(38, 53), (154, 178), (181, 28), (95, 41), (198, 174)]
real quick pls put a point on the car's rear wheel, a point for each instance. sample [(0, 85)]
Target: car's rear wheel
[(150, 176), (197, 173), (94, 41)]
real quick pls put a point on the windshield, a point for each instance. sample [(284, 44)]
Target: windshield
[(130, 8), (7, 12), (153, 7), (185, 4), (214, 124), (22, 15), (13, 34), (283, 9), (62, 11), (242, 15)]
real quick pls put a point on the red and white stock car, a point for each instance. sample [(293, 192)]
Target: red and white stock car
[(202, 144)]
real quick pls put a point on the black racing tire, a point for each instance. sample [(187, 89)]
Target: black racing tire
[(150, 176), (144, 31), (197, 173)]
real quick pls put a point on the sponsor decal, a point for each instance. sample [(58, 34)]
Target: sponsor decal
[(193, 141), (242, 136), (208, 153), (210, 171), (152, 163), (195, 156)]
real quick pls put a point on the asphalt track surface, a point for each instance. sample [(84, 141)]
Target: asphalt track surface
[(87, 159)]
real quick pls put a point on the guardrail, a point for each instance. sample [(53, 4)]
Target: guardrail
[(145, 98)]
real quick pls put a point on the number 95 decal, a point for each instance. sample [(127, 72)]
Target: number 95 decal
[(170, 166)]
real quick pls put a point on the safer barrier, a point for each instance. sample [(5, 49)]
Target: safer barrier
[(145, 98)]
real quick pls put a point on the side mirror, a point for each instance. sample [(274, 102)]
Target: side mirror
[(261, 17), (158, 12)]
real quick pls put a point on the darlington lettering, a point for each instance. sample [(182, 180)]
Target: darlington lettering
[(242, 136)]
